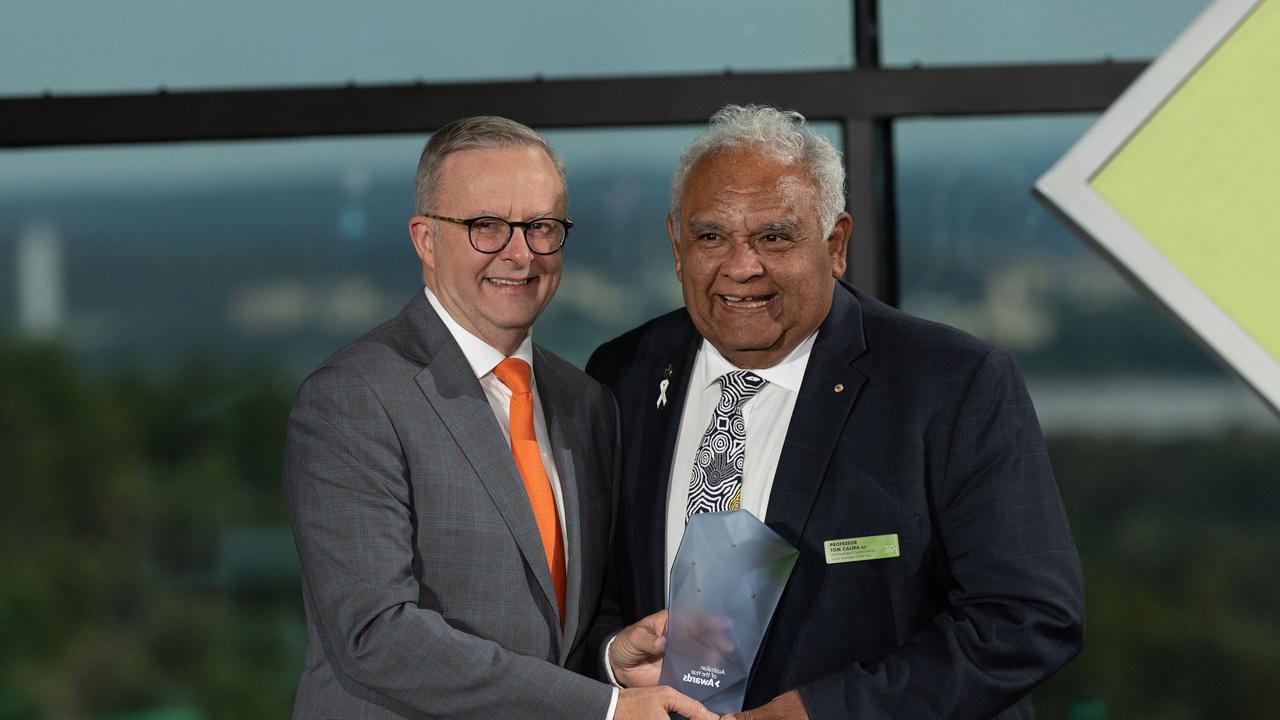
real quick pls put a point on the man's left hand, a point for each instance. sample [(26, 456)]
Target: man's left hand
[(787, 706), (636, 653)]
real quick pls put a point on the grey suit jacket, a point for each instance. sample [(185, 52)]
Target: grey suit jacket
[(426, 587)]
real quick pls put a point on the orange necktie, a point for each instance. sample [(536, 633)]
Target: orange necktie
[(515, 374)]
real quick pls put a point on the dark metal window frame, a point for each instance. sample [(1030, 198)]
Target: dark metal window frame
[(865, 101)]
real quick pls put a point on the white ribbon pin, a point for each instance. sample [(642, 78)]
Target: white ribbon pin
[(662, 392)]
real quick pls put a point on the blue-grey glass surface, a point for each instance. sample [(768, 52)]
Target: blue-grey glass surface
[(998, 31), (728, 574), (74, 46)]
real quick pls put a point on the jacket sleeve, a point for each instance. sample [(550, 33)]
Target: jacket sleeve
[(346, 485), (609, 620)]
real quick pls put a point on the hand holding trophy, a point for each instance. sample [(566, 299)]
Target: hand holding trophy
[(727, 578)]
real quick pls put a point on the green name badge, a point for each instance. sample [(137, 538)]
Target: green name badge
[(872, 547)]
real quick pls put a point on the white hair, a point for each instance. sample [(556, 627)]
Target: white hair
[(782, 133)]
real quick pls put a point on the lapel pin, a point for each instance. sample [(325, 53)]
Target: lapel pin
[(839, 387), (662, 386)]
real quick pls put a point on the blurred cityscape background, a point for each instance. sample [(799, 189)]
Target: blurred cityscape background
[(160, 304)]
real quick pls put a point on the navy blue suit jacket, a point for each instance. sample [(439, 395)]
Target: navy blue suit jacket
[(901, 426)]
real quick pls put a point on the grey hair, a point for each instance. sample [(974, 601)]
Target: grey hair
[(483, 132), (782, 133)]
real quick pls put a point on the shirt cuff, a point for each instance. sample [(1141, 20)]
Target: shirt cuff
[(613, 704), (608, 671)]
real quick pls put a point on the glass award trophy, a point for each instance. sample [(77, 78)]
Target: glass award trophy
[(728, 575)]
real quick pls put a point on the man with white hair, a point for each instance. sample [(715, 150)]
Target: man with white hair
[(837, 420)]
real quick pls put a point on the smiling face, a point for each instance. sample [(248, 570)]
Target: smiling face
[(495, 297), (756, 269)]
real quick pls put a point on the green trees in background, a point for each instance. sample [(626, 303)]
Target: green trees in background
[(1180, 539), (121, 496), (148, 571)]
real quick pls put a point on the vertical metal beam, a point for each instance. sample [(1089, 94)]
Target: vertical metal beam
[(866, 33), (864, 253), (869, 165), (887, 184), (872, 256)]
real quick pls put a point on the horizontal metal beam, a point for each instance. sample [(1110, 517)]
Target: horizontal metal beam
[(420, 107)]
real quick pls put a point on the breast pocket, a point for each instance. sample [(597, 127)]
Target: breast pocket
[(866, 570)]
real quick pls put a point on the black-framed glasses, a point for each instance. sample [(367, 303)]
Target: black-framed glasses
[(544, 236)]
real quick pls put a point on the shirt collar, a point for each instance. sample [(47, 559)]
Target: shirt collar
[(481, 356), (787, 374)]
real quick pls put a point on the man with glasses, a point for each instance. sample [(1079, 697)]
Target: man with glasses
[(450, 483)]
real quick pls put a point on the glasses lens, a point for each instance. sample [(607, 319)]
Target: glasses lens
[(489, 234), (546, 235)]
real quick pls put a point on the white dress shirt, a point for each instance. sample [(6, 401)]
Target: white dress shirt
[(483, 358), (767, 415)]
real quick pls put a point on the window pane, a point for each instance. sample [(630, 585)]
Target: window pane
[(286, 250), (158, 307), (85, 46), (997, 31), (1168, 466)]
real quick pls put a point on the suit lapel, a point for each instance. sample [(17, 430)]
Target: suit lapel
[(451, 387), (566, 445), (827, 395), (657, 446)]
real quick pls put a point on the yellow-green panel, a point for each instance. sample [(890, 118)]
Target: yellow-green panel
[(1201, 179)]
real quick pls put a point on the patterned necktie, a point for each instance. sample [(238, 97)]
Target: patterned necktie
[(515, 374), (716, 484)]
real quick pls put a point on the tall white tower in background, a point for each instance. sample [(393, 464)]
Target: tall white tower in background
[(39, 267)]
